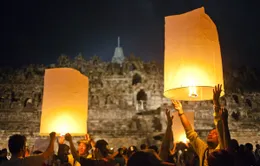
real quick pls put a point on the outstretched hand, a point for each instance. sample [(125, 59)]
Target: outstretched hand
[(169, 117), (87, 137), (177, 106), (52, 135), (216, 94), (68, 137)]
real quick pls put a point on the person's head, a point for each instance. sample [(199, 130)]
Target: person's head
[(102, 147), (220, 158), (143, 146), (241, 148), (131, 150), (17, 145), (248, 147), (257, 146), (234, 146), (212, 139), (83, 147), (121, 152)]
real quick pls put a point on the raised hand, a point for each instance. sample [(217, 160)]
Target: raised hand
[(177, 106), (52, 135), (68, 137), (87, 137), (216, 94), (169, 117)]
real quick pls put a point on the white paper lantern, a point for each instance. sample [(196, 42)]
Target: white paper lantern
[(65, 102), (192, 60)]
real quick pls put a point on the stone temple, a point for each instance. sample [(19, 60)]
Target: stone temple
[(126, 102)]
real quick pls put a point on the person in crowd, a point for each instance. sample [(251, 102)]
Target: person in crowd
[(143, 146), (147, 157), (3, 155), (17, 147), (220, 158), (257, 154), (168, 139), (201, 148), (101, 154), (64, 156), (228, 155), (131, 150), (119, 158), (63, 151), (249, 155)]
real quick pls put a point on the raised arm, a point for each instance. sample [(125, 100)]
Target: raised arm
[(184, 120), (217, 117), (72, 147), (198, 145), (49, 151), (167, 139), (226, 133)]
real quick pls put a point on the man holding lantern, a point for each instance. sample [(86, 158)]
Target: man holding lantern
[(216, 138)]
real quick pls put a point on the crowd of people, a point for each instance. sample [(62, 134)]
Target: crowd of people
[(218, 150)]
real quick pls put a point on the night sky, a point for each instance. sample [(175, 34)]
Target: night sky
[(39, 31)]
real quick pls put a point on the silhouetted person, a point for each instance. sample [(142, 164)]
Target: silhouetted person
[(146, 157), (119, 158), (202, 148), (257, 154), (220, 158), (249, 155), (17, 147), (143, 146), (3, 155), (101, 154)]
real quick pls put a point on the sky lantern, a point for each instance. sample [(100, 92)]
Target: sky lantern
[(192, 57), (65, 102)]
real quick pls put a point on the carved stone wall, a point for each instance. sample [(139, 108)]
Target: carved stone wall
[(125, 102)]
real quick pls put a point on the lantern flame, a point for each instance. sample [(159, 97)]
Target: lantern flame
[(193, 91), (183, 138)]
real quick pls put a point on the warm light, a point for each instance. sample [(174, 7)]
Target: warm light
[(183, 138), (193, 91), (65, 102), (178, 130), (192, 60)]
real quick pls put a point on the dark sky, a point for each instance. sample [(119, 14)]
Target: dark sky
[(38, 31)]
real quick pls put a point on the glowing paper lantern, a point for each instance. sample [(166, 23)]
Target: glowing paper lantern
[(178, 130), (65, 102), (192, 60)]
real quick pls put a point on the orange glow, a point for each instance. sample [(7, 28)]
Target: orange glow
[(178, 130), (193, 91), (65, 102), (192, 60), (183, 138)]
